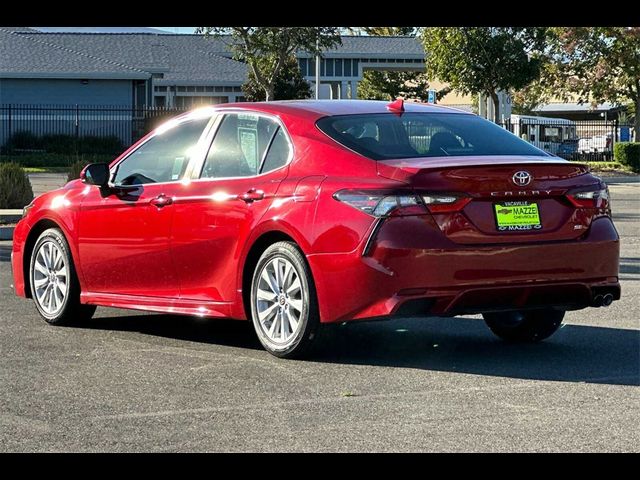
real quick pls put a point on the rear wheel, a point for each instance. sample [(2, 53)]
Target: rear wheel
[(54, 285), (527, 326), (284, 307)]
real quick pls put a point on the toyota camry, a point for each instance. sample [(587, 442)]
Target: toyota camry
[(297, 214)]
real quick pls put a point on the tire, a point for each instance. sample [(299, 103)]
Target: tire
[(284, 311), (52, 270), (528, 326)]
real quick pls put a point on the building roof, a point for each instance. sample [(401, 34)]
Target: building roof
[(576, 107), (361, 46), (26, 55), (172, 58)]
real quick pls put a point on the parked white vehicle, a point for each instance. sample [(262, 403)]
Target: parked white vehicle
[(595, 144), (545, 133)]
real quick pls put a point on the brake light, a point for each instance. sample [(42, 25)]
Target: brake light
[(382, 204), (445, 203), (597, 198)]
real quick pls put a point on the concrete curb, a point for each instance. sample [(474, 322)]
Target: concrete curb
[(610, 180)]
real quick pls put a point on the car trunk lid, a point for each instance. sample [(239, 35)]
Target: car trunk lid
[(501, 189)]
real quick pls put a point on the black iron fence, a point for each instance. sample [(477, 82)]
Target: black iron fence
[(43, 128), (587, 140)]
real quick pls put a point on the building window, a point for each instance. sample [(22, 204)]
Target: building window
[(208, 89), (338, 67), (302, 62), (312, 67), (228, 89), (160, 101), (219, 89), (199, 89), (354, 68), (322, 69), (329, 67), (347, 67), (237, 89), (181, 89)]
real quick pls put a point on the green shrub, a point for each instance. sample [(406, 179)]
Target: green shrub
[(628, 153), (59, 144), (76, 168), (47, 160), (15, 188), (23, 140), (64, 144)]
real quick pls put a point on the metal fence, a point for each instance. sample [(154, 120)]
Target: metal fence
[(589, 140), (40, 128), (31, 127)]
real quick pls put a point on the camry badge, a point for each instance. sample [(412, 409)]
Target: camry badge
[(522, 178)]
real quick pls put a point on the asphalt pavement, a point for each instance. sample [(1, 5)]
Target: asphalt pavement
[(141, 382)]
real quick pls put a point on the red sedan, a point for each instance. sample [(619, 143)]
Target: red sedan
[(300, 213)]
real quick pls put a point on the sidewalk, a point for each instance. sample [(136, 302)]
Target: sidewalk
[(43, 182)]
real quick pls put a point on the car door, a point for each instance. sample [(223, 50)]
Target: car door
[(239, 178), (123, 237)]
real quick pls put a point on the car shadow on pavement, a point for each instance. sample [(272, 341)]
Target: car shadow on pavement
[(576, 353)]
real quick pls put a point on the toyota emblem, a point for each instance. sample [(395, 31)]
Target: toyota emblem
[(522, 178)]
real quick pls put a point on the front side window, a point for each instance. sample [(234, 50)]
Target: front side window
[(239, 148), (389, 136), (164, 157)]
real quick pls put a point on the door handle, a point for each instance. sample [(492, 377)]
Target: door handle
[(252, 195), (161, 200)]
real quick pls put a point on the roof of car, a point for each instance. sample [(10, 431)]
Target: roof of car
[(336, 107)]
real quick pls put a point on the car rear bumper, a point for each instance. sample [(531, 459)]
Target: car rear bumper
[(414, 274)]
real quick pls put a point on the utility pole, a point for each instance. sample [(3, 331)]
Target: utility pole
[(318, 66)]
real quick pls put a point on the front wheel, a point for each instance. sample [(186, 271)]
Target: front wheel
[(284, 306), (527, 326), (54, 285)]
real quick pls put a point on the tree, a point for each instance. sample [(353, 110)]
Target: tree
[(289, 84), (484, 59), (386, 85), (597, 64), (267, 49)]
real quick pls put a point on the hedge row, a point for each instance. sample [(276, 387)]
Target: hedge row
[(628, 153)]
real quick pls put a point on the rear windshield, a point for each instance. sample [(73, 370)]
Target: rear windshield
[(383, 136)]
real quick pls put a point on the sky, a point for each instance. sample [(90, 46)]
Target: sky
[(177, 29)]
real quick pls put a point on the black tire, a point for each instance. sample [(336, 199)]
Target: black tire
[(309, 318), (527, 326), (71, 311)]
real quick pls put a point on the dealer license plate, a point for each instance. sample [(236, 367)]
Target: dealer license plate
[(514, 216)]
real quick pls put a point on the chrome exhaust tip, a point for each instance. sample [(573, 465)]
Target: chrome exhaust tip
[(607, 300), (598, 300)]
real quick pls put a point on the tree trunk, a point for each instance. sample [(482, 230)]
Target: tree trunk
[(269, 93), (496, 102)]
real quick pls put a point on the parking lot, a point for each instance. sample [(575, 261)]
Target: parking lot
[(139, 382)]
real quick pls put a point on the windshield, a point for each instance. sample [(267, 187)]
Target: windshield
[(383, 136)]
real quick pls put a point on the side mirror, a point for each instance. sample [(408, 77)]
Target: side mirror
[(96, 174)]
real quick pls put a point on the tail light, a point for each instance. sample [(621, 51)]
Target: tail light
[(382, 204), (445, 203), (594, 197)]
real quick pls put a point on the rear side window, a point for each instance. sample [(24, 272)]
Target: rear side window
[(278, 154), (388, 136)]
